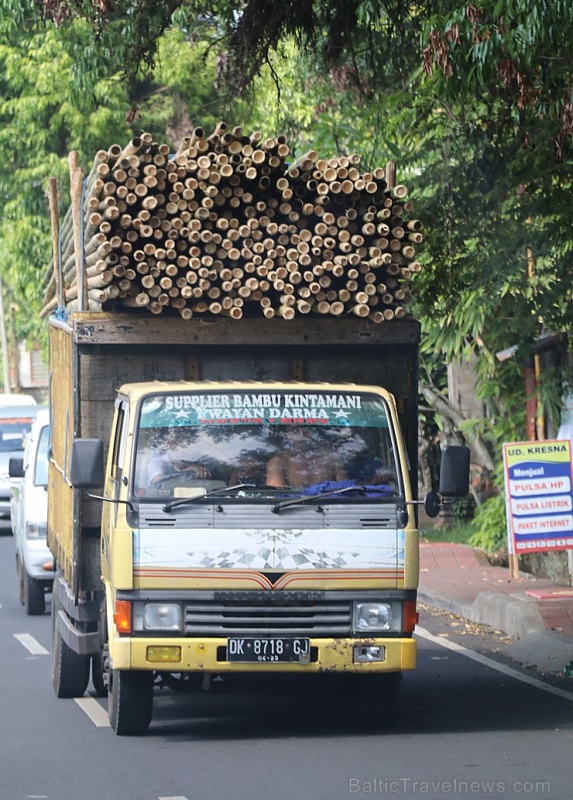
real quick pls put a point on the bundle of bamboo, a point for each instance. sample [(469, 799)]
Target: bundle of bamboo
[(226, 225)]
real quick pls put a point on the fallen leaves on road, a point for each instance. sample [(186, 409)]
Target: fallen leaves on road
[(464, 627)]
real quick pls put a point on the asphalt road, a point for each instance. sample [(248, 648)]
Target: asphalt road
[(469, 728)]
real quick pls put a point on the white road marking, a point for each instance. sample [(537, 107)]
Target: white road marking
[(32, 645), (91, 707), (488, 662), (178, 797), (98, 715)]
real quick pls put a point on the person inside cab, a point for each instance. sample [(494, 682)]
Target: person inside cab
[(305, 459), (173, 456)]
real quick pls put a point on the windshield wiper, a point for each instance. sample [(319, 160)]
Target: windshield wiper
[(221, 490), (300, 500)]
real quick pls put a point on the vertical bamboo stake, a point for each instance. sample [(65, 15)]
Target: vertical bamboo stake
[(390, 172), (76, 203), (54, 221)]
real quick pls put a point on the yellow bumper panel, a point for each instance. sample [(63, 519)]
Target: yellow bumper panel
[(200, 655)]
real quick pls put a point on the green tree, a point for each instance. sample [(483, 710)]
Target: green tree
[(472, 100), (43, 118), (520, 51)]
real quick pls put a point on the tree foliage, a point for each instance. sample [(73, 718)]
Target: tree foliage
[(520, 50), (370, 34), (472, 100), (43, 118)]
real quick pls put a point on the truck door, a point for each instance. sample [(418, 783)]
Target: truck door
[(115, 471)]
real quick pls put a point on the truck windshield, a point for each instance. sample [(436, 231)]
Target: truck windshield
[(286, 441)]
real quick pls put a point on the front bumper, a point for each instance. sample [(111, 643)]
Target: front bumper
[(208, 655), (36, 555)]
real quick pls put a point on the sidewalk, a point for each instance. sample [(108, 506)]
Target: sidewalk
[(536, 613)]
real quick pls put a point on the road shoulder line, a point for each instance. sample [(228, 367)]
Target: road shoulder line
[(488, 662)]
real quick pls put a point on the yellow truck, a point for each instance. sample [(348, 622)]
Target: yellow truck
[(258, 511)]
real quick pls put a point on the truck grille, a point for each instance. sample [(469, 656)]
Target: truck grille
[(281, 618)]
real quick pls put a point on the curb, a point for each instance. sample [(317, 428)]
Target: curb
[(516, 615)]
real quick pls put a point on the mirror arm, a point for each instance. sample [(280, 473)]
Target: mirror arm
[(111, 500), (443, 501)]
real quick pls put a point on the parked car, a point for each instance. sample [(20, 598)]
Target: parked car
[(29, 507), (15, 424)]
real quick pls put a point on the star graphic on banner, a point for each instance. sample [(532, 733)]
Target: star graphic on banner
[(182, 415), (342, 415)]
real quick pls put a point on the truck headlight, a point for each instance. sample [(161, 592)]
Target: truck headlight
[(35, 530), (157, 617), (370, 617)]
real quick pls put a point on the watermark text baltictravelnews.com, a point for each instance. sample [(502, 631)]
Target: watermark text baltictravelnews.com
[(409, 786)]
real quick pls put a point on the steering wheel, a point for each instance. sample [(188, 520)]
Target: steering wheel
[(184, 477)]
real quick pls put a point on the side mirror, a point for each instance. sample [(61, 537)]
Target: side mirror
[(401, 514), (16, 468), (455, 472), (432, 505), (86, 469)]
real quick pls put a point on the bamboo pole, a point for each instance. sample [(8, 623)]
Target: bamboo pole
[(54, 223), (315, 236), (76, 198)]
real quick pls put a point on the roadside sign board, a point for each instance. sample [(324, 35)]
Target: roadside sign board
[(539, 497)]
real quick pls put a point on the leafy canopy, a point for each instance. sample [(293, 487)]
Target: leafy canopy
[(43, 118)]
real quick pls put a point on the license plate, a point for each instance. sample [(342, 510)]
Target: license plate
[(268, 651)]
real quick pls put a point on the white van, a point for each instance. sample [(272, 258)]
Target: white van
[(29, 513), (15, 424)]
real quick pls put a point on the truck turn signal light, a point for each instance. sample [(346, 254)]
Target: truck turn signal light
[(122, 616), (411, 616)]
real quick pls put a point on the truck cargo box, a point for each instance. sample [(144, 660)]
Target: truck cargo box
[(93, 353)]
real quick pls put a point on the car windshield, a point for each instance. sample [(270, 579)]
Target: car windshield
[(13, 432), (41, 472), (293, 442)]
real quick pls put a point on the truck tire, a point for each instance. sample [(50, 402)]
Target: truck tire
[(377, 700), (19, 570), (100, 661), (34, 595), (70, 671), (97, 676), (130, 701)]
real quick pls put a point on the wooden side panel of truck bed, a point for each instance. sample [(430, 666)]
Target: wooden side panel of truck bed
[(61, 496)]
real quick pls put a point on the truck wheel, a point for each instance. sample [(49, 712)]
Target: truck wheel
[(97, 676), (377, 700), (70, 671), (34, 596), (130, 701), (20, 571), (100, 661)]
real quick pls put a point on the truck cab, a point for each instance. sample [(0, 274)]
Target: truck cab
[(254, 528)]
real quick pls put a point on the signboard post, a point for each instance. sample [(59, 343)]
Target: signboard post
[(539, 496)]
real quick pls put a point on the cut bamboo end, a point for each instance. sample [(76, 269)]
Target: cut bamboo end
[(227, 226)]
